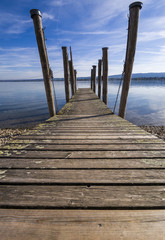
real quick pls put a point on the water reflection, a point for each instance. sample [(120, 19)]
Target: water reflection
[(25, 102)]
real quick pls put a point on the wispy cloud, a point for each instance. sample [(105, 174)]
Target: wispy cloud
[(150, 36), (90, 33), (48, 16), (59, 3), (23, 60), (19, 61), (13, 24)]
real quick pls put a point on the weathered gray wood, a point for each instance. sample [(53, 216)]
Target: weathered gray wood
[(87, 133), (105, 75), (82, 224), (130, 53), (71, 78), (38, 163), (82, 196), (82, 154), (131, 176), (94, 78), (75, 75), (90, 147), (66, 72), (72, 72), (99, 78), (36, 16), (91, 78), (39, 140), (87, 137), (89, 128)]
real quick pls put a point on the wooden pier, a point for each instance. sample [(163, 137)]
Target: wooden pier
[(85, 174)]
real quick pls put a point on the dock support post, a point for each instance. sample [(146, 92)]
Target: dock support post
[(134, 9), (36, 16), (105, 74), (99, 78), (91, 78), (94, 78), (66, 72), (75, 76), (72, 77)]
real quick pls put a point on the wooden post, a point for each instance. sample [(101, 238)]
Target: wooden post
[(36, 16), (99, 78), (130, 53), (66, 72), (75, 76), (94, 78), (72, 77), (91, 78), (105, 74)]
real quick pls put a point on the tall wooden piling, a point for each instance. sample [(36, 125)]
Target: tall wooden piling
[(105, 74), (99, 77), (75, 76), (72, 82), (94, 78), (66, 72), (134, 9), (37, 20), (91, 78)]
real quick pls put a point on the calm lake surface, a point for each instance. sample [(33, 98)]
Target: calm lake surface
[(24, 103)]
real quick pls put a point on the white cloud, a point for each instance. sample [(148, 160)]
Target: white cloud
[(13, 24), (90, 33), (47, 16), (24, 62), (150, 36)]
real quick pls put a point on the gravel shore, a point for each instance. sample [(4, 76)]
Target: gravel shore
[(7, 134), (158, 131)]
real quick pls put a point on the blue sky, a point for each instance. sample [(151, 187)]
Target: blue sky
[(87, 26)]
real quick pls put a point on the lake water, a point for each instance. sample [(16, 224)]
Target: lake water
[(24, 103)]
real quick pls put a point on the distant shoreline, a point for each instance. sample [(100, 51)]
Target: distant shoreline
[(88, 79)]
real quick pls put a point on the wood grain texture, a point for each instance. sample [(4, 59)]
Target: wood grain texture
[(85, 147), (118, 176), (83, 196), (65, 163), (41, 140), (39, 153), (82, 224)]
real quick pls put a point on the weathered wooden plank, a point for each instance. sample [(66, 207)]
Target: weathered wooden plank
[(82, 224), (118, 176), (93, 124), (89, 119), (85, 147), (82, 196), (82, 154), (40, 140), (71, 128), (27, 163), (89, 129), (86, 134), (108, 137), (87, 126)]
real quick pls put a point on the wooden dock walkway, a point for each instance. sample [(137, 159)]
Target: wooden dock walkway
[(85, 174)]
